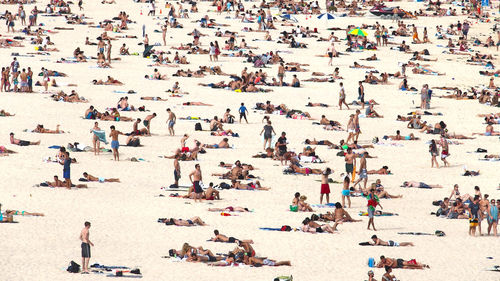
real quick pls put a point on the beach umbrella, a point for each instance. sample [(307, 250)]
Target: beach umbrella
[(288, 17), (328, 16), (358, 32)]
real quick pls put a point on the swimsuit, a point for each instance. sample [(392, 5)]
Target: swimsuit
[(145, 122), (325, 188), (197, 187), (363, 174), (85, 250), (346, 192), (393, 244), (115, 144)]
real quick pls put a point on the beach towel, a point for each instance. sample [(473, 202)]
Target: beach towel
[(55, 147), (329, 205), (101, 135), (365, 214)]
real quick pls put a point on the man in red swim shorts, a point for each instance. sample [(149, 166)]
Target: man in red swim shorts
[(325, 187)]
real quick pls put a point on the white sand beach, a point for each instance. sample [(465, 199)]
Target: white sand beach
[(125, 231)]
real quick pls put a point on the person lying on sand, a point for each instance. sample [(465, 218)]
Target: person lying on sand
[(420, 185), (21, 213), (223, 238), (40, 129), (313, 227), (109, 81), (59, 183), (489, 131), (400, 263), (315, 142), (398, 137), (357, 65), (379, 242), (180, 222), (382, 171), (229, 209), (4, 151), (196, 103), (89, 177), (4, 113), (305, 171), (21, 142), (250, 186), (153, 98), (257, 262), (224, 143)]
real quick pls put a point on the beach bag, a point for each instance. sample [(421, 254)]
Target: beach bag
[(73, 267), (224, 185), (286, 228), (197, 127), (230, 120), (284, 278), (294, 208), (134, 143)]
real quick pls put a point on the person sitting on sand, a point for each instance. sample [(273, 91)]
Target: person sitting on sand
[(370, 112), (379, 242), (420, 185), (21, 142), (89, 177), (223, 238), (400, 263), (302, 205), (180, 222), (340, 215), (250, 186), (40, 129), (224, 143), (229, 209)]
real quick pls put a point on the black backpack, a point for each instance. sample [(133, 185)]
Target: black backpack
[(224, 185), (197, 127), (73, 267)]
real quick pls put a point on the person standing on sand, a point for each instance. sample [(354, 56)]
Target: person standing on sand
[(373, 202), (350, 162), (114, 142), (281, 73), (195, 178), (84, 237), (325, 187), (346, 193), (95, 139), (243, 112), (424, 96), (433, 149), (444, 150), (164, 33), (66, 162), (342, 96), (363, 174), (268, 134), (361, 94), (171, 122), (108, 51), (357, 128), (177, 170)]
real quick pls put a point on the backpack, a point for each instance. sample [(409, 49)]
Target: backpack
[(197, 127), (73, 267), (224, 185), (134, 143)]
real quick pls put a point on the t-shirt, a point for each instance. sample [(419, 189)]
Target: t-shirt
[(242, 109), (372, 201), (474, 208), (268, 129), (66, 168), (282, 140)]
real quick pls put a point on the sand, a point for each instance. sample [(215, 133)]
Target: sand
[(123, 215)]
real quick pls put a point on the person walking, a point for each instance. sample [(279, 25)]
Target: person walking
[(66, 162), (196, 178), (433, 149), (373, 202), (243, 112), (342, 96), (86, 243), (268, 134)]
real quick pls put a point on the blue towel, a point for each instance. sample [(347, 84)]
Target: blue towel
[(101, 135), (270, 228), (55, 147)]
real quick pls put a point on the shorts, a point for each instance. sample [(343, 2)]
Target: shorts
[(423, 185), (171, 123), (399, 263), (393, 244), (177, 175), (185, 149), (363, 174), (66, 174), (146, 123), (444, 154), (371, 212), (349, 168), (243, 115), (346, 192), (325, 188), (85, 250), (282, 152), (24, 143), (268, 262), (330, 54), (231, 240), (319, 230), (102, 180), (115, 144), (350, 131), (197, 187), (473, 222)]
